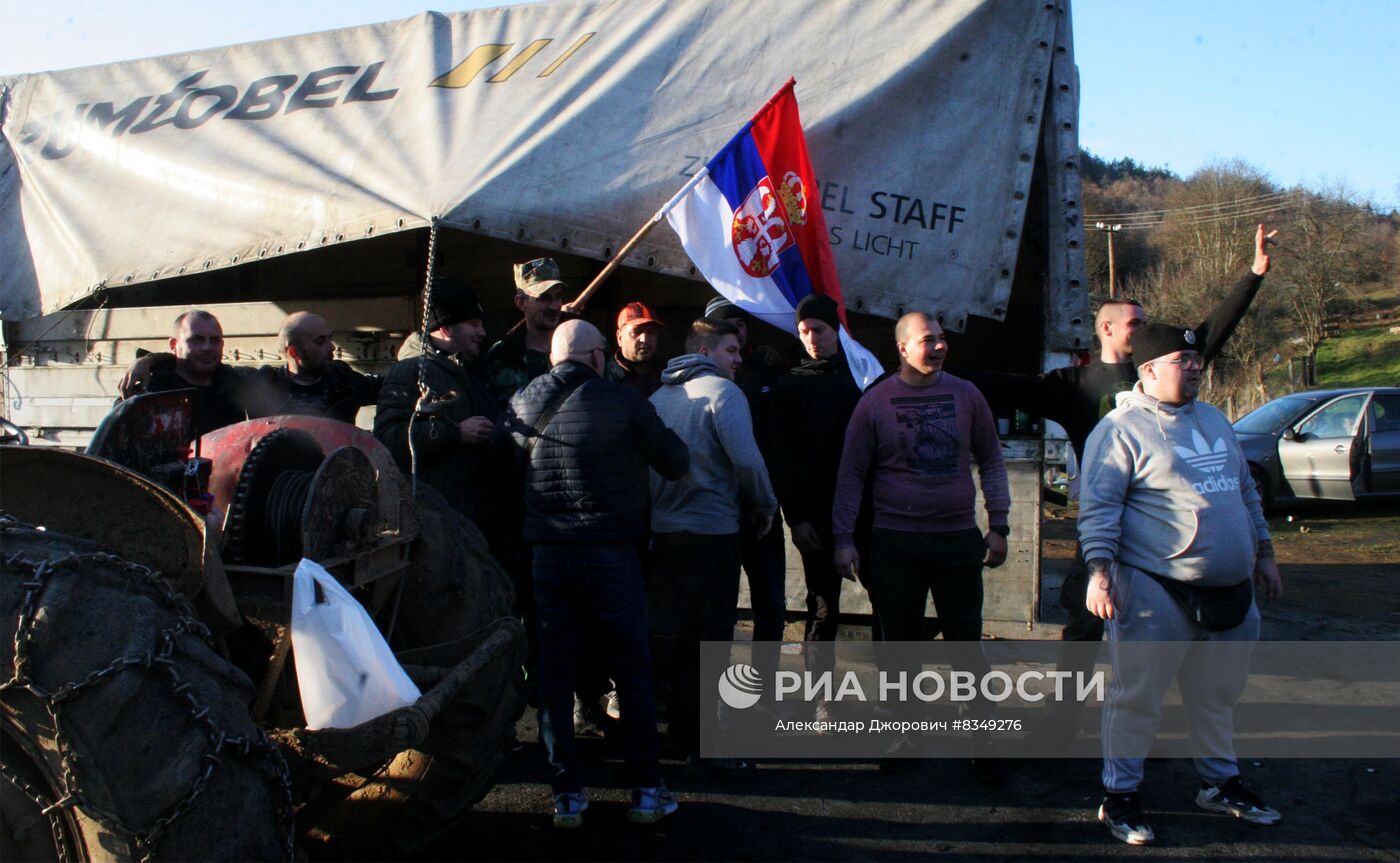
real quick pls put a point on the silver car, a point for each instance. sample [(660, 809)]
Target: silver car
[(1325, 445)]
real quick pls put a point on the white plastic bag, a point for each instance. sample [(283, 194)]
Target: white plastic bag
[(345, 670)]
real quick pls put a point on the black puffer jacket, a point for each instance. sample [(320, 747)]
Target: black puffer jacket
[(586, 475)]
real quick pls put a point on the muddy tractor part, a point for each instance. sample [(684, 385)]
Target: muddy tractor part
[(282, 488)]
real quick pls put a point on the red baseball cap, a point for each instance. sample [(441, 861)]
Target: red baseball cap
[(637, 313)]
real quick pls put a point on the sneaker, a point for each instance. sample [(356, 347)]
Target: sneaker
[(568, 809), (1122, 815), (1233, 797), (585, 725), (614, 708), (650, 805)]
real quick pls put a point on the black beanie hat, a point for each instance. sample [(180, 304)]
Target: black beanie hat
[(453, 301), (821, 307), (722, 310), (1158, 340)]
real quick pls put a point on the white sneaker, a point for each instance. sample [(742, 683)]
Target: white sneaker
[(1122, 815), (614, 707), (1233, 797), (568, 809), (650, 805)]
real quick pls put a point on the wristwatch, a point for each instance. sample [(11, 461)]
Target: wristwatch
[(1001, 530)]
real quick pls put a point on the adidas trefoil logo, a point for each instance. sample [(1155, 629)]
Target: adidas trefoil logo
[(1204, 458)]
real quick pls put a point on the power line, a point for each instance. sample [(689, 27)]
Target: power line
[(1250, 201), (1262, 207), (1205, 218)]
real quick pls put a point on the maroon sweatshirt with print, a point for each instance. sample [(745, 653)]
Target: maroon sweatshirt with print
[(921, 443)]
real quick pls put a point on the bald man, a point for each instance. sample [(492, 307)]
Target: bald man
[(914, 439), (311, 382), (587, 443)]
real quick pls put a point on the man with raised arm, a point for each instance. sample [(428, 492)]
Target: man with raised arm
[(1077, 397)]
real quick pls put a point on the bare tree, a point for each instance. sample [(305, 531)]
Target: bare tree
[(1328, 250), (1206, 244)]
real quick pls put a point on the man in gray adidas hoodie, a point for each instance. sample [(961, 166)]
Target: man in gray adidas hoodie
[(1170, 520), (693, 592)]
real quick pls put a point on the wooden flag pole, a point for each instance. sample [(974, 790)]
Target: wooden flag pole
[(581, 300)]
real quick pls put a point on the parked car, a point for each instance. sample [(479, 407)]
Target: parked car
[(1341, 444)]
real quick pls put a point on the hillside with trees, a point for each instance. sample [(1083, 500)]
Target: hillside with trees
[(1179, 243)]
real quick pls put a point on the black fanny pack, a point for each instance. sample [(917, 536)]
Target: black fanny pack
[(1214, 609)]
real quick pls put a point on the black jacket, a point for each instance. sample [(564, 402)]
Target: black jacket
[(339, 394), (1077, 397), (222, 402), (267, 391), (480, 482), (586, 472), (811, 406), (646, 377), (757, 377)]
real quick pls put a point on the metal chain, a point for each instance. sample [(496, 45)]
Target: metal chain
[(47, 808), (162, 661), (423, 357)]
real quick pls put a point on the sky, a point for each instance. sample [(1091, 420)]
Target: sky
[(1308, 91)]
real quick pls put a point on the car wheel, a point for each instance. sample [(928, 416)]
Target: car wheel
[(1261, 482)]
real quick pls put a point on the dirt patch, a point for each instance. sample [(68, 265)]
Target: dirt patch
[(1341, 573), (1340, 565)]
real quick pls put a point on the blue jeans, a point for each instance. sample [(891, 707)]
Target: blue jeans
[(594, 593)]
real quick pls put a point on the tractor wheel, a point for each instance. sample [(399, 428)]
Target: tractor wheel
[(32, 829), (455, 596), (121, 720)]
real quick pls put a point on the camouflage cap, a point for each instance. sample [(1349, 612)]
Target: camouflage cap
[(537, 276)]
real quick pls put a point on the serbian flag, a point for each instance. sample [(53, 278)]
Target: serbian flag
[(752, 224)]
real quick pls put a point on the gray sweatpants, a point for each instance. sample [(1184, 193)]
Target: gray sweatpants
[(1211, 681)]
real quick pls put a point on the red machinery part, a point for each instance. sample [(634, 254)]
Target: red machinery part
[(230, 446)]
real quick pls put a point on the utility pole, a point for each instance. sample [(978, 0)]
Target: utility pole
[(1112, 275)]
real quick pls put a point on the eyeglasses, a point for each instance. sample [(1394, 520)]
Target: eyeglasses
[(1187, 363)]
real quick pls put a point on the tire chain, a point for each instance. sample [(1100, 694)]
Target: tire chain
[(47, 808), (159, 660)]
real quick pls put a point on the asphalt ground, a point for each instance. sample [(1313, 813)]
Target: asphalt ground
[(1342, 581), (1333, 810)]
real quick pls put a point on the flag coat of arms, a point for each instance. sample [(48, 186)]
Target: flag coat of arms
[(754, 227)]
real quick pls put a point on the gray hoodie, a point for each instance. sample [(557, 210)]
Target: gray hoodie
[(1166, 490), (711, 414)]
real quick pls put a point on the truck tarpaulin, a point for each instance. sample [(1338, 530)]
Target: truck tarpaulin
[(569, 123)]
